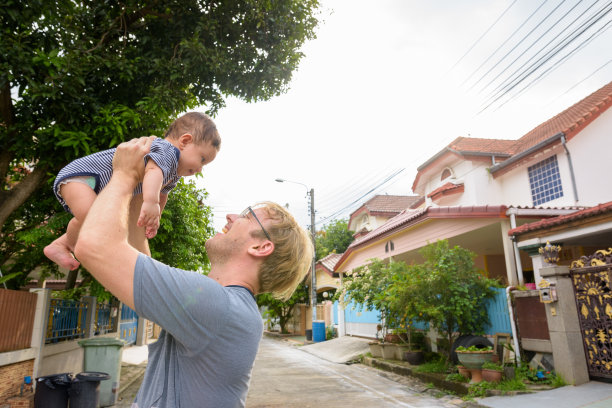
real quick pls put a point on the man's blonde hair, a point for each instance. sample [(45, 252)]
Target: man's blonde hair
[(197, 124), (284, 269)]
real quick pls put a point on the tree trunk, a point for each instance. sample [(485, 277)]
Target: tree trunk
[(71, 279), (11, 200)]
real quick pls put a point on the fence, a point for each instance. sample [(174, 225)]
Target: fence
[(17, 310), (67, 320), (358, 319)]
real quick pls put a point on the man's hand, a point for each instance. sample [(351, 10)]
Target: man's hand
[(129, 157), (150, 213)]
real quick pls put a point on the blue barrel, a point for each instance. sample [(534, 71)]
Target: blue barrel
[(318, 330)]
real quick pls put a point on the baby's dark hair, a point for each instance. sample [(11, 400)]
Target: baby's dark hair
[(197, 124)]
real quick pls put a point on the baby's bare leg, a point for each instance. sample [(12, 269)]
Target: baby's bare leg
[(79, 198), (136, 234)]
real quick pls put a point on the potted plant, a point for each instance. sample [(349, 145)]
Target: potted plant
[(463, 371), (473, 358), (492, 372)]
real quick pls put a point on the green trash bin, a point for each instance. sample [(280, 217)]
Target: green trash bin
[(104, 355)]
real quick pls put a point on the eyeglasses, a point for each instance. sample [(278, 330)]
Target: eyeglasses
[(246, 212)]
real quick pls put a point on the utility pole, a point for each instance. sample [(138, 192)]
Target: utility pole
[(313, 282)]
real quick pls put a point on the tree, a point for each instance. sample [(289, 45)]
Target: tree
[(333, 238), (79, 77), (186, 225), (282, 310), (455, 291)]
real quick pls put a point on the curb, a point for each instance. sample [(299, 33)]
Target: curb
[(132, 379)]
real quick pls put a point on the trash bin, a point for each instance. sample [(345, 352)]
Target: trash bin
[(103, 355), (52, 391), (318, 330), (84, 391), (308, 335)]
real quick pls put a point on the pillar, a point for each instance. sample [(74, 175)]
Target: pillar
[(564, 327)]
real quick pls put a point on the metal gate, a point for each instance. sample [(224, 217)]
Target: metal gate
[(591, 278), (128, 325)]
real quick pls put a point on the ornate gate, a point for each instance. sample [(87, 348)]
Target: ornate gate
[(591, 277)]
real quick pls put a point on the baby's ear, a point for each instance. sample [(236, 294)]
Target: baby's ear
[(185, 139)]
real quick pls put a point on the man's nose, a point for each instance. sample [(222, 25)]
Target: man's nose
[(231, 217)]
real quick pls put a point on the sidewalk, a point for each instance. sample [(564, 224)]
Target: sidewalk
[(133, 365), (593, 394)]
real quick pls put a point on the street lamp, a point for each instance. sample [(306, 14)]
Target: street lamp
[(313, 281)]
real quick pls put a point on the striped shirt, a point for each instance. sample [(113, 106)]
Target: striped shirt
[(100, 166)]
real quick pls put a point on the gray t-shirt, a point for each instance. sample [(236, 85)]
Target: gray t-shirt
[(205, 354)]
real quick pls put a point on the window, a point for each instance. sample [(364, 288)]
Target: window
[(445, 174), (545, 181)]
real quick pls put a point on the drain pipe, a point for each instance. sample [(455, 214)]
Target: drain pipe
[(571, 168), (517, 348), (517, 257)]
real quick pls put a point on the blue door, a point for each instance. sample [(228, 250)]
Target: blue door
[(128, 325)]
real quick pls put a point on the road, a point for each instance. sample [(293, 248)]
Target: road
[(284, 376)]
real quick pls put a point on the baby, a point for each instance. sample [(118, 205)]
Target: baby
[(190, 142)]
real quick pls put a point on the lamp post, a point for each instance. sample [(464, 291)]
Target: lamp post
[(313, 280)]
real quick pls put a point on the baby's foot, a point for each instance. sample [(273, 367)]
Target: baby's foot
[(61, 256)]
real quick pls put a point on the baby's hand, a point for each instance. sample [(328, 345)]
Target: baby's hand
[(151, 230), (149, 218)]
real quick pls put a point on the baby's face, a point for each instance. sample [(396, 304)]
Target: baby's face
[(194, 156)]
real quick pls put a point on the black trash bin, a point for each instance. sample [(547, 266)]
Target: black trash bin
[(85, 389), (52, 391), (308, 334)]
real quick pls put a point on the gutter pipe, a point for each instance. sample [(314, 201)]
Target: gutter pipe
[(517, 348), (571, 168), (517, 257)]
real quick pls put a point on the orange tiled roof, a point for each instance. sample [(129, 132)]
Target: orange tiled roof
[(468, 145), (388, 204), (562, 219), (570, 121), (446, 189), (330, 261)]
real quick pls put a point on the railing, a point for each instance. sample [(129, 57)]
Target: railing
[(17, 309), (104, 321), (67, 320)]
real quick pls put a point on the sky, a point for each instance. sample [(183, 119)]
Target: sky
[(388, 84)]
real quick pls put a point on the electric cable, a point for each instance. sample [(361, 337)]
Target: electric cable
[(483, 34), (504, 43), (547, 56)]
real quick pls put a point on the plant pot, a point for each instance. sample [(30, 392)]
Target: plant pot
[(388, 351), (474, 359), (375, 349), (414, 357), (493, 376), (463, 371), (475, 375)]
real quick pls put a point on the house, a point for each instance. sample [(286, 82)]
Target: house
[(478, 190), (378, 210)]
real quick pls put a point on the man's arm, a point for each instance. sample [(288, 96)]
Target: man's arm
[(102, 247)]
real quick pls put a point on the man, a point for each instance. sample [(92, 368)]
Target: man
[(212, 326)]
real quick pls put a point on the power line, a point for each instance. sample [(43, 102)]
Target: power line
[(532, 44), (559, 47), (483, 34), (581, 81), (600, 31), (504, 43), (360, 198), (516, 75)]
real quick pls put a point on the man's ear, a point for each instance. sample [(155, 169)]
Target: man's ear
[(185, 139), (262, 250)]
